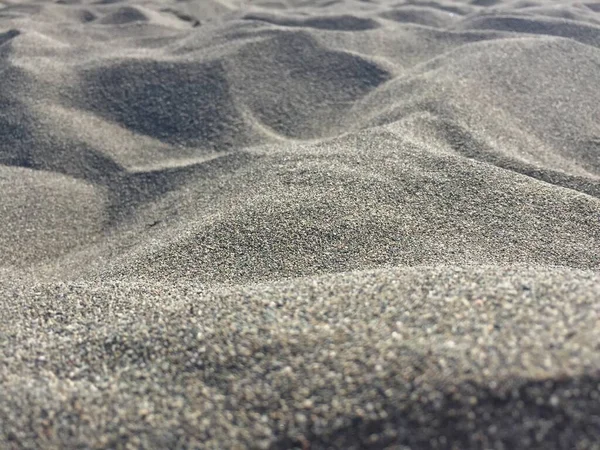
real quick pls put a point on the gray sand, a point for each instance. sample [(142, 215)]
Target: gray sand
[(300, 224)]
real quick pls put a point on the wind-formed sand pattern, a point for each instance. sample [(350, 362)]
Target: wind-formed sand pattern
[(310, 224)]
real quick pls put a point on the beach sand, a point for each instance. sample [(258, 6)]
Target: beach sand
[(310, 224)]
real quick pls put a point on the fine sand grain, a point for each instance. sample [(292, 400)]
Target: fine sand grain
[(309, 224)]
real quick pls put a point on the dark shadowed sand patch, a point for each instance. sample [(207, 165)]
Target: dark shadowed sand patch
[(180, 103)]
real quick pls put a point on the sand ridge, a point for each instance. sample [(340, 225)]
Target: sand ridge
[(304, 224)]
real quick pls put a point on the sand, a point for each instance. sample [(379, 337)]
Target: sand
[(310, 224)]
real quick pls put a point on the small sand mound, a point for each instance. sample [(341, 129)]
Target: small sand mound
[(326, 84), (420, 16), (124, 15), (52, 213), (335, 23)]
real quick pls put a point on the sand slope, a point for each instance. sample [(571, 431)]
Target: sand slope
[(299, 224)]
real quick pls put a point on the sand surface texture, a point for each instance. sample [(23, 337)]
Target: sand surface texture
[(310, 224)]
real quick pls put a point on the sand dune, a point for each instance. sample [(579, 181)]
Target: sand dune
[(304, 224)]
